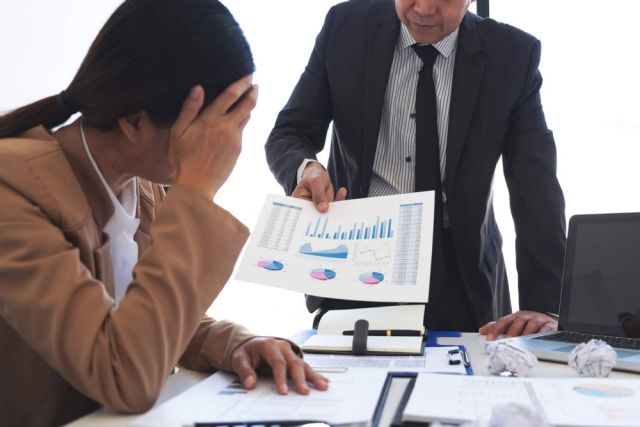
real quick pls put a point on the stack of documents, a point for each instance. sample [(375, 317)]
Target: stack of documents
[(434, 359)]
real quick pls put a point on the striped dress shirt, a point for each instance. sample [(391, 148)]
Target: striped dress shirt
[(394, 165)]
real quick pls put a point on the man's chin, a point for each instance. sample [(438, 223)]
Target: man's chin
[(426, 34)]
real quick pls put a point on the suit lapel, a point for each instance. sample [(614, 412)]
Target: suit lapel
[(467, 79), (380, 45)]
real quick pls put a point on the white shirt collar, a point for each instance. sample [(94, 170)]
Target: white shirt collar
[(124, 207), (445, 47)]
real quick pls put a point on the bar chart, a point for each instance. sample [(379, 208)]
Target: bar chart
[(357, 231)]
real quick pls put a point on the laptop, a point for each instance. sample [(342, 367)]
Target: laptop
[(600, 295)]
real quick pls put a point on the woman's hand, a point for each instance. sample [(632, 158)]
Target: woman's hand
[(204, 147), (281, 359)]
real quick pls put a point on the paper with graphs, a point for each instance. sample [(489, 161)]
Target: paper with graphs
[(373, 249), (351, 398)]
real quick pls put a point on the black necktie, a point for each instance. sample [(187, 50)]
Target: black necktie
[(427, 165)]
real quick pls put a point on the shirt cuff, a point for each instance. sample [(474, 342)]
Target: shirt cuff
[(303, 165)]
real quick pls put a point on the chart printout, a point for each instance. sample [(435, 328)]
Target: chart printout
[(372, 249), (350, 399)]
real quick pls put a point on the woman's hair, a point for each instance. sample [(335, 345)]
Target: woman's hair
[(147, 57)]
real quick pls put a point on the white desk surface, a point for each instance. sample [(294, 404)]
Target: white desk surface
[(475, 345), (179, 382)]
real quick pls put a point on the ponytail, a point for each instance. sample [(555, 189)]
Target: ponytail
[(48, 112)]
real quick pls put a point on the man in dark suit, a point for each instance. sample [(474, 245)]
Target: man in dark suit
[(424, 95)]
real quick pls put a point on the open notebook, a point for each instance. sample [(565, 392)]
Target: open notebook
[(331, 337)]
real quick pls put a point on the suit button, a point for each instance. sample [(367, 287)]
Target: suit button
[(408, 159)]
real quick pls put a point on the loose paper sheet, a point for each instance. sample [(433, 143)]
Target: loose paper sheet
[(562, 401), (351, 398), (372, 249), (434, 359)]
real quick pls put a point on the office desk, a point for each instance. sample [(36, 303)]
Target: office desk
[(176, 384), (475, 346), (184, 379)]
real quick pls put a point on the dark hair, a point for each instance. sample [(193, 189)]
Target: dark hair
[(147, 57)]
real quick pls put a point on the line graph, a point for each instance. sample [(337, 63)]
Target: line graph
[(373, 254)]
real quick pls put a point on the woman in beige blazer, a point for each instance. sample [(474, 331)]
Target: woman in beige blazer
[(104, 279)]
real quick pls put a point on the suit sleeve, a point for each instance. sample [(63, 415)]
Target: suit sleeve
[(301, 127), (119, 357), (537, 202)]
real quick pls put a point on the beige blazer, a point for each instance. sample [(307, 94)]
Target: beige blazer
[(64, 348)]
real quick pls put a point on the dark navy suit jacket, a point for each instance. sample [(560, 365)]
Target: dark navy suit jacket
[(495, 112)]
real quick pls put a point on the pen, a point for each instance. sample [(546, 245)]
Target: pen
[(465, 359), (389, 333)]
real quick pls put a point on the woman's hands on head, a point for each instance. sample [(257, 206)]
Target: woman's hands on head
[(204, 147)]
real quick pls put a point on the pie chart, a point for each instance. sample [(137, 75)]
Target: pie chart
[(371, 278), (323, 274), (271, 265)]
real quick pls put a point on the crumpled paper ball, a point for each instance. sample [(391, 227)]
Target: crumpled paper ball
[(508, 415), (507, 357), (593, 359)]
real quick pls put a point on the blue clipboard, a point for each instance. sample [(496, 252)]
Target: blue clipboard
[(432, 341), (377, 415)]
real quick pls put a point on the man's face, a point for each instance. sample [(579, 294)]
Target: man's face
[(430, 21)]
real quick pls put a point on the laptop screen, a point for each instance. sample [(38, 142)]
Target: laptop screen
[(601, 280)]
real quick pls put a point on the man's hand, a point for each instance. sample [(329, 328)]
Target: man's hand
[(316, 185), (520, 323), (281, 359)]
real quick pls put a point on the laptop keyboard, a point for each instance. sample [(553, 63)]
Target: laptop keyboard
[(577, 338)]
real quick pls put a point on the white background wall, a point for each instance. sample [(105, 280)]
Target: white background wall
[(590, 94)]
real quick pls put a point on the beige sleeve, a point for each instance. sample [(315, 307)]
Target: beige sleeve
[(212, 345), (119, 357)]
